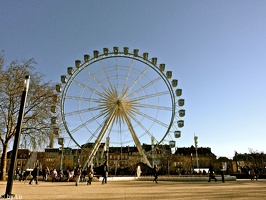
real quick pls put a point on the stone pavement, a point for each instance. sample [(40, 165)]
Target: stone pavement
[(140, 190)]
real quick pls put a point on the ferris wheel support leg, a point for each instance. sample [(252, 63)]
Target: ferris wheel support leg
[(98, 141), (136, 140), (138, 144)]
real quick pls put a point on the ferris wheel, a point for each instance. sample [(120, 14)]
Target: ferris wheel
[(120, 98)]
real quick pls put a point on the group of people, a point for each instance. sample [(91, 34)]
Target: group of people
[(53, 173), (59, 175), (254, 174), (80, 175), (68, 175), (20, 175), (211, 173)]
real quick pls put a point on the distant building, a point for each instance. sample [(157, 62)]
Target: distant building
[(22, 158), (242, 163)]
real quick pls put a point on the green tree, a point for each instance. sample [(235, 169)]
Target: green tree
[(36, 127)]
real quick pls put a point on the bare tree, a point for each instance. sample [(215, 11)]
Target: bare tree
[(256, 158), (36, 128)]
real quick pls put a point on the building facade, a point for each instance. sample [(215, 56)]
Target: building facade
[(122, 160)]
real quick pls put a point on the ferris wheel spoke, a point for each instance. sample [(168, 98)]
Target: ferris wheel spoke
[(94, 134), (86, 123), (106, 74), (99, 82), (152, 119), (87, 87), (137, 80), (145, 86), (126, 78), (158, 94), (142, 126), (82, 111), (153, 107), (82, 99)]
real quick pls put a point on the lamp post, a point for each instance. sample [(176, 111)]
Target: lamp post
[(196, 148), (107, 148), (61, 142), (16, 139), (192, 168), (236, 161), (152, 150)]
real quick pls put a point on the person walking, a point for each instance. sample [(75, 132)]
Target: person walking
[(77, 175), (45, 173), (104, 172), (83, 175), (90, 175), (257, 173), (252, 174), (155, 173), (211, 175), (16, 177), (35, 174)]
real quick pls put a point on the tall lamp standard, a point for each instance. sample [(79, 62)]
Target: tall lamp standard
[(107, 149), (16, 139), (61, 142), (152, 150), (196, 148)]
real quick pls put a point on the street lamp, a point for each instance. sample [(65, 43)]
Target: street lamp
[(61, 142), (196, 147), (16, 139), (152, 150), (107, 148)]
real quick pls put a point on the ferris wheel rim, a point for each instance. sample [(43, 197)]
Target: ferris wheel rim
[(117, 55)]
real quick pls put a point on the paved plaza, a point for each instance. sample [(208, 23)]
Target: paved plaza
[(144, 190)]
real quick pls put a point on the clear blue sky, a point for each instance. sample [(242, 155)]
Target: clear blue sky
[(216, 49)]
